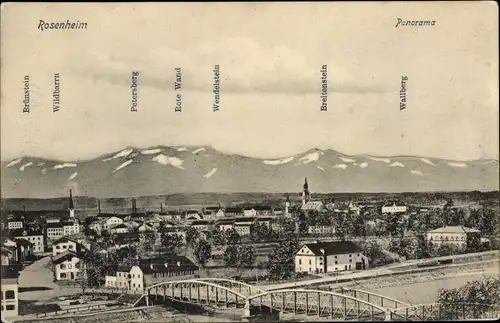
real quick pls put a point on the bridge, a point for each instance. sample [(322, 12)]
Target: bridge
[(349, 304), (343, 304)]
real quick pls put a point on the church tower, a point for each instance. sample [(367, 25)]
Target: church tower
[(71, 206), (287, 205), (305, 193)]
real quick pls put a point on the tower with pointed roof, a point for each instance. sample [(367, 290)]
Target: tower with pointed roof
[(305, 193), (71, 206), (287, 205)]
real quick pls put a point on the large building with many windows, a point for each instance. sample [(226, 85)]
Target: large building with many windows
[(326, 257), (9, 290)]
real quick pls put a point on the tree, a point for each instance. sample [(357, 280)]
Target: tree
[(260, 232), (289, 229), (303, 225), (192, 236), (232, 237), (281, 261), (149, 240), (170, 244), (231, 256), (246, 256), (203, 252)]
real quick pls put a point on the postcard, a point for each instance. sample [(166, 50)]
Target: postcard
[(252, 161)]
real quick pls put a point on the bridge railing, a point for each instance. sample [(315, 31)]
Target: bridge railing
[(447, 312)]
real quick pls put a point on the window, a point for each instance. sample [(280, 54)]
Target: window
[(2, 307), (62, 275), (133, 275), (138, 276), (300, 261), (350, 260), (62, 266), (336, 262), (69, 266), (358, 254), (309, 261), (10, 294), (335, 257), (57, 247), (10, 307), (350, 255), (139, 285)]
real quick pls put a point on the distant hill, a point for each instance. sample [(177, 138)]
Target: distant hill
[(164, 170)]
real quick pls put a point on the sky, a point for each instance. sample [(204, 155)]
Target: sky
[(269, 56)]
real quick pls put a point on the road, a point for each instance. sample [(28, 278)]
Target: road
[(36, 282), (370, 273)]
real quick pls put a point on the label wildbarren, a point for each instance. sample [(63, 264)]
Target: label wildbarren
[(324, 88), (56, 103), (134, 86)]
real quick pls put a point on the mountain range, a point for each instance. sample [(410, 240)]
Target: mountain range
[(165, 170)]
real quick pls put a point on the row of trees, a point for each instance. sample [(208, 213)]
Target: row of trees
[(471, 300)]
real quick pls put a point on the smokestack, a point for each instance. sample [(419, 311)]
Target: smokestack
[(98, 206), (134, 207), (161, 207)]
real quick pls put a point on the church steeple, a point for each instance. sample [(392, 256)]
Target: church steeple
[(305, 193), (71, 205)]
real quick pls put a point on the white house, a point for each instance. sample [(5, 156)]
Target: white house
[(321, 229), (120, 228), (457, 235), (145, 227), (67, 244), (329, 257), (126, 277), (37, 238), (15, 224), (54, 231), (249, 212), (105, 224), (394, 208), (9, 291), (70, 226), (68, 266)]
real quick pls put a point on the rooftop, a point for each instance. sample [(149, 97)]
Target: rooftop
[(454, 229), (333, 248)]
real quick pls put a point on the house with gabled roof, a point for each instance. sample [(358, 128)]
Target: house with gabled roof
[(326, 257)]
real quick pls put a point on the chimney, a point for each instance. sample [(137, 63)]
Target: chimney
[(161, 207), (98, 206), (134, 207)]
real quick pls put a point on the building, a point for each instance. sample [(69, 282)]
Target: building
[(68, 266), (201, 225), (242, 225), (321, 230), (457, 235), (233, 211), (9, 290), (224, 224), (37, 238), (71, 226), (146, 227), (17, 250), (394, 208), (313, 206), (15, 223), (120, 228), (54, 231), (147, 272), (192, 215), (249, 212), (217, 211), (307, 203), (105, 224), (329, 257), (67, 244)]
